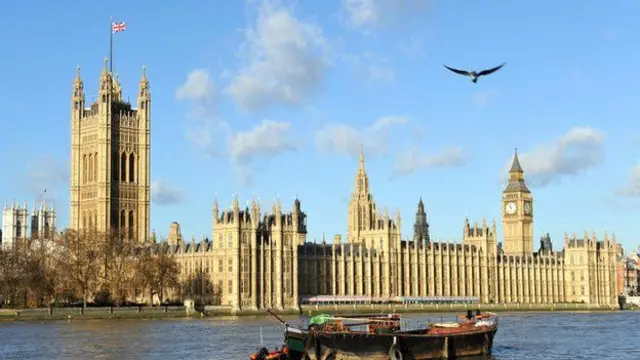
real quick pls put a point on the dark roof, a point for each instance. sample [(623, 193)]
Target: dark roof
[(515, 166)]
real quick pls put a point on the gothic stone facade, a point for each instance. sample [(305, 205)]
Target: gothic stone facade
[(16, 221), (253, 258), (268, 263), (110, 158)]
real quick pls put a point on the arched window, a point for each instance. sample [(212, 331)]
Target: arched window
[(84, 168), (84, 220), (18, 229), (130, 224), (114, 167), (46, 230), (95, 218), (90, 221), (132, 167), (114, 217), (95, 167), (90, 169), (123, 167), (123, 220)]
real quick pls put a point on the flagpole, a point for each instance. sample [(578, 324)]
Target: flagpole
[(110, 44)]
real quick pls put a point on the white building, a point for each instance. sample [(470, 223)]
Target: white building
[(16, 223)]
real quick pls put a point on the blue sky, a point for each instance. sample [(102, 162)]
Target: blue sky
[(271, 99)]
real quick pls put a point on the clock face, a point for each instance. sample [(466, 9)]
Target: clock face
[(511, 208), (527, 208)]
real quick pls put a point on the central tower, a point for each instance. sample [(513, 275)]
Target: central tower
[(361, 207), (517, 213), (110, 159)]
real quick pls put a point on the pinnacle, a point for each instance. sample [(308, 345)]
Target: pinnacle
[(515, 166)]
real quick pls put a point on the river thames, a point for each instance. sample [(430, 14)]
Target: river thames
[(520, 336)]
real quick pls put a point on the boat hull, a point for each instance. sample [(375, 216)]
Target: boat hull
[(410, 345)]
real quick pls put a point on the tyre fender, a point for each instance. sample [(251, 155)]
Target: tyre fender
[(394, 353)]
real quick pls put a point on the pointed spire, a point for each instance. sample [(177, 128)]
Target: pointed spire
[(78, 78), (515, 166), (105, 68), (361, 156), (144, 82), (234, 203)]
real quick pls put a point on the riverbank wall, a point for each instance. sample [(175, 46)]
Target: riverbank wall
[(448, 308), (69, 313), (145, 312)]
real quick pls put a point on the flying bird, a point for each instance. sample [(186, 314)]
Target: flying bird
[(475, 75)]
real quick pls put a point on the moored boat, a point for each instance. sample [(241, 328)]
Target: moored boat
[(337, 338)]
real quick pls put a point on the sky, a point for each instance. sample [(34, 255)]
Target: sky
[(271, 99)]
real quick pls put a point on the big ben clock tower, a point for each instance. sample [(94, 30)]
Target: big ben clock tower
[(517, 213)]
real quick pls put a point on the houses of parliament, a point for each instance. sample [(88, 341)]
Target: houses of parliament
[(262, 259)]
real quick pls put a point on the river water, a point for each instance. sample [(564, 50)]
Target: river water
[(520, 336)]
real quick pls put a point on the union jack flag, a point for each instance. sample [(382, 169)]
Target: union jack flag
[(118, 26)]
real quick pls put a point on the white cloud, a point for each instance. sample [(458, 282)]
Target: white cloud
[(632, 188), (369, 13), (372, 67), (269, 138), (163, 194), (346, 140), (47, 173), (209, 134), (204, 129), (412, 160), (198, 87), (571, 154), (287, 59), (483, 98)]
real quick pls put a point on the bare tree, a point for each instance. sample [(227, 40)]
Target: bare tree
[(158, 271), (199, 287), (11, 275), (120, 255), (41, 275), (80, 261)]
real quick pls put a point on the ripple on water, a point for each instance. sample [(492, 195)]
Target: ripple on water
[(521, 336)]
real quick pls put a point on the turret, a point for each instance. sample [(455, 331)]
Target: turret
[(117, 89), (235, 209), (216, 211), (105, 94), (77, 97), (421, 226), (144, 98)]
